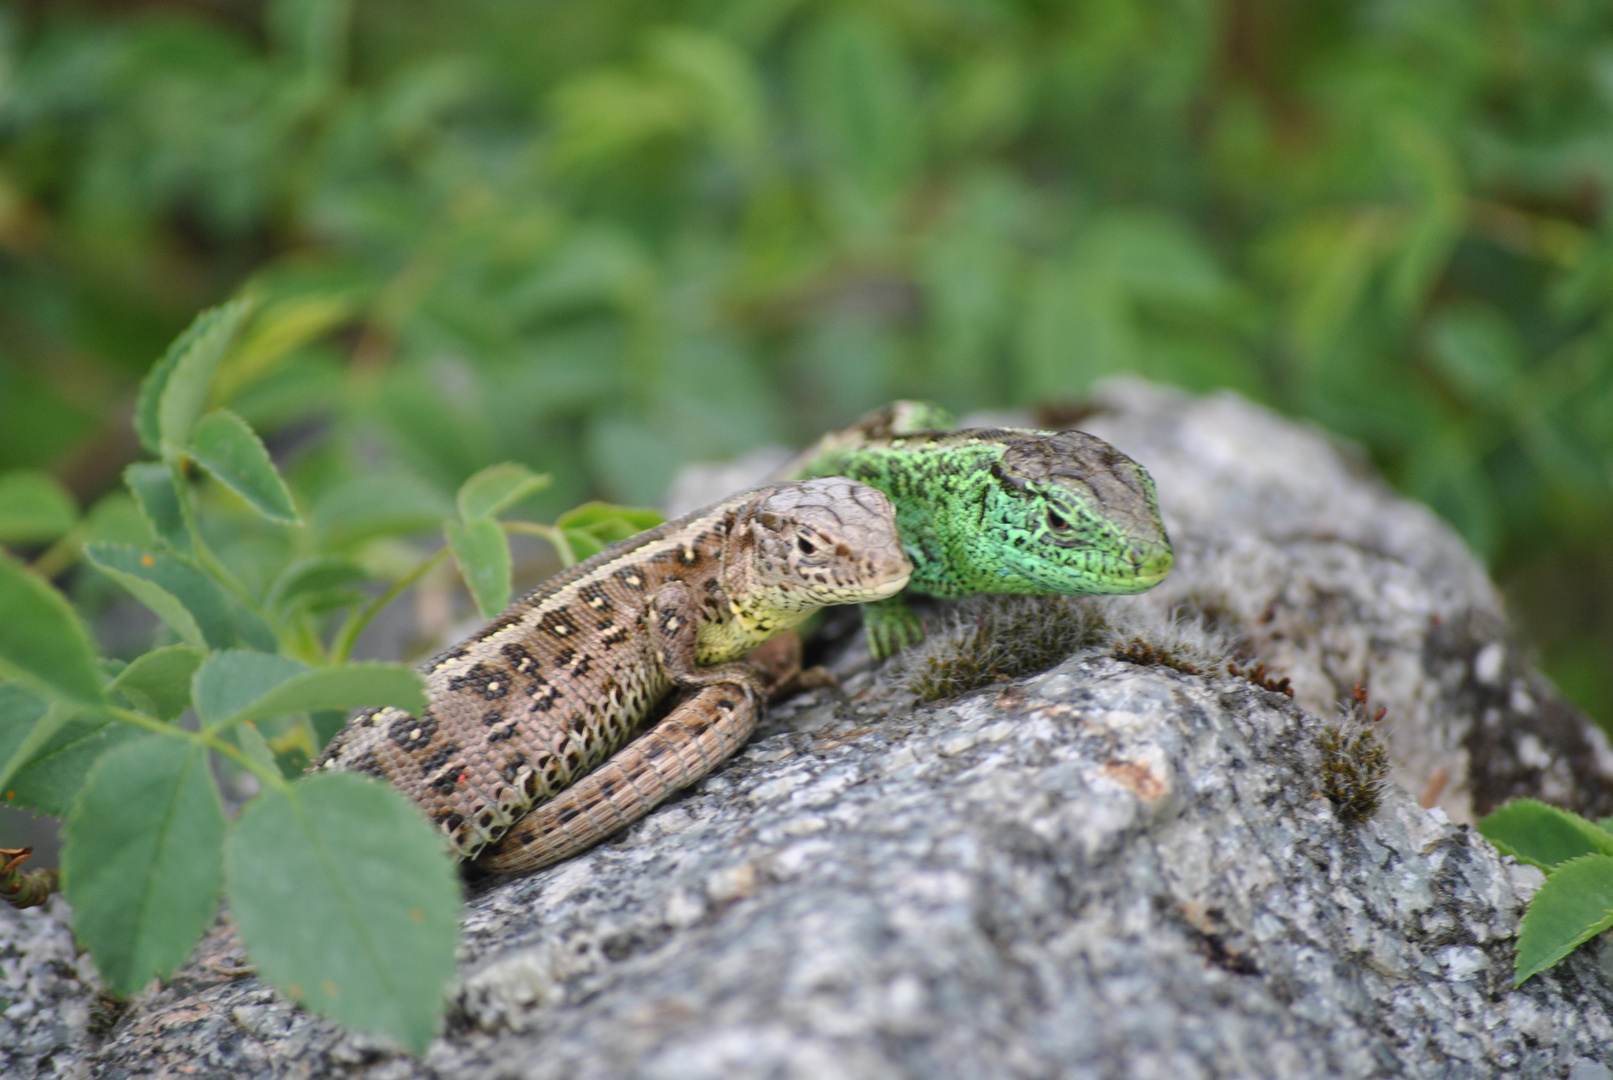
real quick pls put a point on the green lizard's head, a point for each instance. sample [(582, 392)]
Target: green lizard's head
[(1068, 513)]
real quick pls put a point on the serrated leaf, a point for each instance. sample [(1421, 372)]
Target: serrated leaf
[(497, 488), (196, 357), (1573, 906), (160, 680), (143, 858), (316, 583), (349, 686), (20, 713), (1542, 835), (48, 777), (183, 597), (152, 485), (231, 680), (483, 554), (34, 508), (227, 447), (41, 640), (348, 903)]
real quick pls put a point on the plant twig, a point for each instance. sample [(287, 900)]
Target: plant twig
[(342, 647)]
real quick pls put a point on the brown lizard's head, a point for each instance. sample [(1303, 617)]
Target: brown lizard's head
[(821, 542)]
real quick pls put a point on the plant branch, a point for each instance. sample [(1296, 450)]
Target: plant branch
[(342, 647)]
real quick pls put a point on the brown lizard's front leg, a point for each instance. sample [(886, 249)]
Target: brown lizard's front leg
[(693, 739)]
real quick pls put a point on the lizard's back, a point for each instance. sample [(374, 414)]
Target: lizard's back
[(542, 694)]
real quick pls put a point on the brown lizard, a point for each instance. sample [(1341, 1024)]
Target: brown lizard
[(530, 720)]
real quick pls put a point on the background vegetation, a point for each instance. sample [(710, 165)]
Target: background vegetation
[(605, 238)]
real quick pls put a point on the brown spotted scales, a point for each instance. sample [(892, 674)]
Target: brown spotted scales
[(529, 750)]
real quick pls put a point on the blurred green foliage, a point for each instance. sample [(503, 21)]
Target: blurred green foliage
[(602, 239)]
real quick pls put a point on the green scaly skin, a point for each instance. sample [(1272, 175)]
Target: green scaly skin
[(997, 510)]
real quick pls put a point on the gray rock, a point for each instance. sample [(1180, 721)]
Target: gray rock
[(1121, 867)]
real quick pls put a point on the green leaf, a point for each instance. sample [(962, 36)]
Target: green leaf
[(231, 680), (143, 858), (497, 488), (594, 526), (47, 777), (483, 554), (225, 446), (183, 597), (318, 584), (159, 681), (20, 713), (185, 382), (1573, 906), (34, 508), (255, 746), (1542, 835), (349, 686), (250, 628), (41, 640), (152, 485), (348, 903)]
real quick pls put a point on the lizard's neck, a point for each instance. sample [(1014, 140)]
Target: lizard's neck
[(750, 613), (940, 496)]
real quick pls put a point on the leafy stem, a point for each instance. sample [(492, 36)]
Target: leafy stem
[(207, 738), (204, 554)]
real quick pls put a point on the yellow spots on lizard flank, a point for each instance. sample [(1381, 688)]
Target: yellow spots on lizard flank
[(417, 916), (147, 560), (330, 988), (294, 991)]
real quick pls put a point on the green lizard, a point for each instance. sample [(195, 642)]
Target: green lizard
[(529, 750), (997, 510)]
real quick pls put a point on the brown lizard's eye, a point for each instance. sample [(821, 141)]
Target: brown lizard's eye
[(806, 546), (1056, 522)]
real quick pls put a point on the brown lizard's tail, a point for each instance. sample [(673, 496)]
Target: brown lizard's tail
[(693, 739)]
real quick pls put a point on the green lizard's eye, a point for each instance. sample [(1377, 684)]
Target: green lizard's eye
[(806, 546), (1057, 522)]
